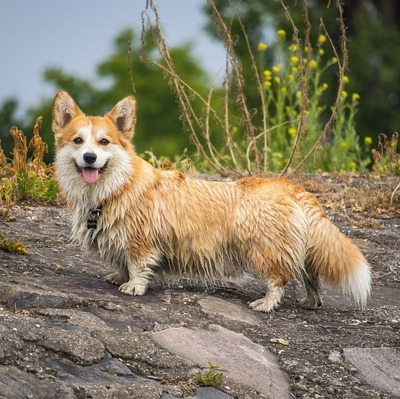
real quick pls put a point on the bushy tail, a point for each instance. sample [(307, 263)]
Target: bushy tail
[(338, 261)]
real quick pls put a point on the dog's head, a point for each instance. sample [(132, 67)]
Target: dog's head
[(92, 150)]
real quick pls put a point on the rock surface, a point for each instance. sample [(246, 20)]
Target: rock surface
[(243, 361), (66, 333), (378, 367)]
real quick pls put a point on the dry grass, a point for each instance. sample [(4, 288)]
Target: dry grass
[(27, 176), (363, 198)]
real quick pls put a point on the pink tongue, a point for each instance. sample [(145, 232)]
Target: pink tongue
[(90, 175)]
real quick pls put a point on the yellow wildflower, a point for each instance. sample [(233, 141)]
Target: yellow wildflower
[(355, 96), (313, 64), (321, 39), (283, 89), (306, 49), (267, 74), (294, 70), (353, 166), (334, 60), (345, 79), (343, 94), (291, 77), (281, 34), (324, 86), (262, 46), (321, 51), (277, 68), (293, 47), (294, 59), (277, 79), (267, 83), (343, 144), (292, 131), (367, 140), (298, 93)]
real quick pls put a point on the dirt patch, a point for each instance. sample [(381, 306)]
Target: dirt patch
[(67, 333)]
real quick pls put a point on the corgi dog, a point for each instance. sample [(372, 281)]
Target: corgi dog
[(149, 222)]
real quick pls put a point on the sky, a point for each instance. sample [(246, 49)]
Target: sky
[(76, 35)]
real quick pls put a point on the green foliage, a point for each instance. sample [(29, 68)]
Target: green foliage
[(211, 378), (296, 103), (31, 186), (7, 192), (12, 245), (372, 30)]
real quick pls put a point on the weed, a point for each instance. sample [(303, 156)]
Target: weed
[(12, 245), (7, 191), (24, 179), (298, 129), (31, 186), (387, 157), (211, 378)]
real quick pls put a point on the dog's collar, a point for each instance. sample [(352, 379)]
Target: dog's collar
[(94, 215)]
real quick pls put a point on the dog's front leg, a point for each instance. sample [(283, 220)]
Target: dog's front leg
[(139, 276), (121, 276)]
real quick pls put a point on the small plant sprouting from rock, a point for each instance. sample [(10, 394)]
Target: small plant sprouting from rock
[(12, 245), (211, 378)]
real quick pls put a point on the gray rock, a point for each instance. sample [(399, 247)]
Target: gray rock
[(17, 384), (379, 367), (219, 307), (211, 393), (109, 371), (77, 345), (239, 358)]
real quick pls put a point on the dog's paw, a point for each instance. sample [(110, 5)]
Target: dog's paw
[(311, 303), (262, 305), (114, 278), (131, 288)]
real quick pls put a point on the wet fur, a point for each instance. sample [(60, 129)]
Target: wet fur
[(156, 222)]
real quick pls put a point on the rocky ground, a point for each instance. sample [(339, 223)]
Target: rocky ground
[(66, 333)]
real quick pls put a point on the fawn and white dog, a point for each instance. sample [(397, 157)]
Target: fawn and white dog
[(146, 221)]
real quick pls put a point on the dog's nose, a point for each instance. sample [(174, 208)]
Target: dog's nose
[(89, 157)]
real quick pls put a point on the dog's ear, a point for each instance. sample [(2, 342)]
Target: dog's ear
[(123, 116), (64, 110)]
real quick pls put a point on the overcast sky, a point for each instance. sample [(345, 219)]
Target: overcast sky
[(76, 35)]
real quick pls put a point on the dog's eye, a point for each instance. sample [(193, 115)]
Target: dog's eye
[(104, 142), (78, 140)]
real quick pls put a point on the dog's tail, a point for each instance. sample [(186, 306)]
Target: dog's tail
[(337, 260)]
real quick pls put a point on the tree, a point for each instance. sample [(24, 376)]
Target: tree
[(8, 118)]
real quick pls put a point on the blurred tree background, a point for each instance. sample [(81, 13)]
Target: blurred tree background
[(122, 73), (373, 34)]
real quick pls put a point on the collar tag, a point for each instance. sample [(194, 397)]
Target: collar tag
[(93, 218)]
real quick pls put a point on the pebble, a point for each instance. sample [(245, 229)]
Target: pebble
[(335, 357), (330, 390)]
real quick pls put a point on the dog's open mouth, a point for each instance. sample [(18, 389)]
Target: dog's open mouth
[(91, 175)]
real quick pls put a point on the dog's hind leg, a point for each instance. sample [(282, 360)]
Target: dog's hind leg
[(139, 276), (313, 288)]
